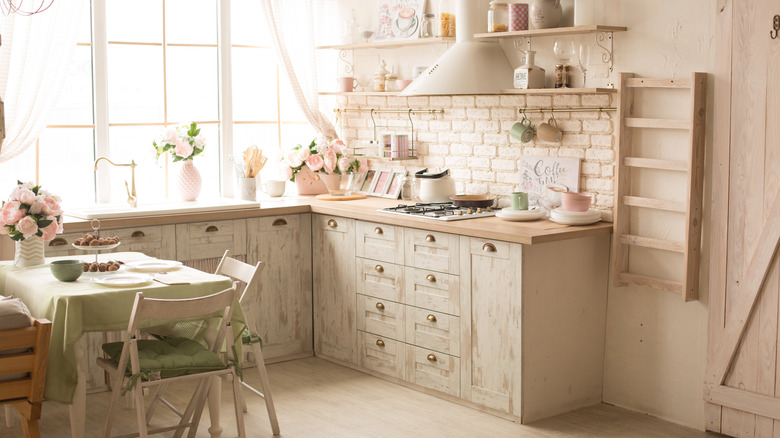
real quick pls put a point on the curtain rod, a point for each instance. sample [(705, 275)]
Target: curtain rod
[(390, 111), (566, 110)]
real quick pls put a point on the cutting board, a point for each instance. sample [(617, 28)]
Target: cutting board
[(352, 197)]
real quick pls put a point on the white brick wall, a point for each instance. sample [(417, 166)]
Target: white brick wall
[(472, 138)]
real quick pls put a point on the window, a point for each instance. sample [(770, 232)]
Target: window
[(149, 76)]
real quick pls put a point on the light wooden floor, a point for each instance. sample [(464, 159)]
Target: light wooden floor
[(315, 398)]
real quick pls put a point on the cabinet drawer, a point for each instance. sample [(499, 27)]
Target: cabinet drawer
[(432, 290), (154, 241), (204, 240), (330, 223), (435, 330), (379, 279), (434, 370), (379, 242), (381, 317), (274, 223), (382, 355), (432, 250), (489, 248)]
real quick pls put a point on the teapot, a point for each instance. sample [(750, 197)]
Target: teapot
[(545, 14)]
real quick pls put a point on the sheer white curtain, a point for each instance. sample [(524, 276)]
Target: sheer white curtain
[(34, 56), (291, 25)]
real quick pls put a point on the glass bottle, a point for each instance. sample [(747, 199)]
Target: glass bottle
[(406, 187), (446, 18), (426, 28), (529, 75), (498, 17), (352, 29)]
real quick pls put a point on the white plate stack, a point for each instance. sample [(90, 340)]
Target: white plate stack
[(575, 217), (531, 214)]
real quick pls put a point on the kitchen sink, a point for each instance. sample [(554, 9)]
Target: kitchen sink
[(116, 211)]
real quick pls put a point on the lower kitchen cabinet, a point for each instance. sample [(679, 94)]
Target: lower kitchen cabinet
[(333, 265), (155, 241), (282, 304)]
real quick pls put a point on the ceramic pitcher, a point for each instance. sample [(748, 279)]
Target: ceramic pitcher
[(545, 14)]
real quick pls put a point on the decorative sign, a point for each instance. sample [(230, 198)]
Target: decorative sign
[(399, 20), (536, 173)]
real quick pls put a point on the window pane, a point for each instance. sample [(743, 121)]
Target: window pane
[(135, 143), (290, 111), (248, 27), (85, 29), (193, 84), (135, 84), (75, 106), (20, 168), (265, 137), (66, 157), (254, 85), (297, 133), (138, 21), (191, 21)]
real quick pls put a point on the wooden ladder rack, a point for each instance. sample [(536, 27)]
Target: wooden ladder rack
[(694, 168)]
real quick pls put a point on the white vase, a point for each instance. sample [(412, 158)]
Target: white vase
[(29, 252), (189, 181)]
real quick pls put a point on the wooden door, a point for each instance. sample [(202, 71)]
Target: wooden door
[(742, 384), (282, 304)]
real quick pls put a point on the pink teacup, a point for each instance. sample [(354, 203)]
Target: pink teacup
[(346, 83), (573, 201)]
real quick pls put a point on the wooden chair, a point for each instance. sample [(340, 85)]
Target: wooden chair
[(175, 360), (249, 275), (25, 393)]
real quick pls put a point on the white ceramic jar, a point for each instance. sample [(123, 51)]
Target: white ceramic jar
[(545, 14)]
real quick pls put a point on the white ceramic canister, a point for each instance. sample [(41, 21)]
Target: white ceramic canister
[(545, 14)]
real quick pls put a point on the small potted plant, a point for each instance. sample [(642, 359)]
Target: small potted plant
[(184, 142), (31, 216)]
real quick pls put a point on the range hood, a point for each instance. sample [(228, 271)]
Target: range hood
[(470, 66)]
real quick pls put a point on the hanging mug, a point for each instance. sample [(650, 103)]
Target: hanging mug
[(549, 131), (523, 130)]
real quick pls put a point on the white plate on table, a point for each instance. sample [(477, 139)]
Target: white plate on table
[(154, 265), (96, 247), (124, 280), (575, 217), (531, 214)]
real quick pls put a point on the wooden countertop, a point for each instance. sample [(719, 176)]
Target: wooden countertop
[(533, 232)]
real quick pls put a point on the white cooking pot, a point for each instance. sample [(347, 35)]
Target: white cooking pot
[(435, 187)]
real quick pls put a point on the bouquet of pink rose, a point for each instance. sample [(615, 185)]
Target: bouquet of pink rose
[(329, 158), (31, 211), (183, 141)]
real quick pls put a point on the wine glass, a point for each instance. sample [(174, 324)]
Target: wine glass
[(363, 80), (584, 60), (564, 50)]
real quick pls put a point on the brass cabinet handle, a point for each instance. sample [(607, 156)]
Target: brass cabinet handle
[(279, 222), (431, 278), (379, 230), (489, 247), (432, 357), (380, 342), (332, 223), (379, 268), (211, 229), (59, 241), (138, 234), (430, 238), (380, 306), (431, 318)]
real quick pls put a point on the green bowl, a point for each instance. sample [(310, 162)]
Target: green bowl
[(67, 270)]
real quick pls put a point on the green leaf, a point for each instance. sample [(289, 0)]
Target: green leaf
[(44, 223)]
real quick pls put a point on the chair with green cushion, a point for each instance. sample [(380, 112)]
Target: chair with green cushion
[(138, 363)]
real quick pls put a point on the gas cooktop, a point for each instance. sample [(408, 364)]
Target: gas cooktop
[(439, 211)]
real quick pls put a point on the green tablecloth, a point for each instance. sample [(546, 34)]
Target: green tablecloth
[(84, 306)]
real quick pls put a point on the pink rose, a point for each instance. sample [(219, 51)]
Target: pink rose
[(303, 153), (52, 207), (50, 230), (26, 196), (183, 148), (330, 160), (27, 226), (169, 136), (338, 146), (343, 165), (12, 212), (38, 205), (315, 162), (287, 172), (293, 160)]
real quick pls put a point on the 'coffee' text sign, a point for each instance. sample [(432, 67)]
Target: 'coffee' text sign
[(538, 172)]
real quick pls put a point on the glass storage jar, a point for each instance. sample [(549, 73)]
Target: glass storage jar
[(498, 17), (446, 18), (426, 29)]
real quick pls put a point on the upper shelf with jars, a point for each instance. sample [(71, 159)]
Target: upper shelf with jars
[(390, 44), (556, 31)]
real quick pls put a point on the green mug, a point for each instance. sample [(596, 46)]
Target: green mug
[(523, 130), (519, 201)]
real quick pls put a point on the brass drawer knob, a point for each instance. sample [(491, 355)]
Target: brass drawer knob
[(379, 268), (489, 247), (332, 223), (431, 318), (380, 306), (380, 342), (432, 357), (279, 222), (431, 278), (378, 230), (59, 241), (430, 238), (212, 229), (137, 234)]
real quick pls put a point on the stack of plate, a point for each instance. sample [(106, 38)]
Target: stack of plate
[(575, 217), (531, 214)]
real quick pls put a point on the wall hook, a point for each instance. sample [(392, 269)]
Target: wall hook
[(776, 25)]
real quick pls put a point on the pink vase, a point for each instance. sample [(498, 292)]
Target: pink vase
[(189, 181), (309, 183)]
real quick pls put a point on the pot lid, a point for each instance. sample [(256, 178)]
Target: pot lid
[(431, 175)]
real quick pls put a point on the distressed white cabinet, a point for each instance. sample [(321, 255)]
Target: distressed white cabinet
[(532, 326), (333, 265), (282, 303), (155, 241)]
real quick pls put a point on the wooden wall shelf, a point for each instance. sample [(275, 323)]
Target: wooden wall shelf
[(390, 44), (558, 31), (539, 91)]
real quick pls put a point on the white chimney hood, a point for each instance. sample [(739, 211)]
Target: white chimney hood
[(469, 66)]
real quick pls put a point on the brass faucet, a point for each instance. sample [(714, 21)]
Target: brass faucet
[(132, 198)]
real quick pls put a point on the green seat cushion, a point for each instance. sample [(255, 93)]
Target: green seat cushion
[(170, 357), (248, 337)]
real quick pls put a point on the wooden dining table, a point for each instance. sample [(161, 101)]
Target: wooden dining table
[(83, 306)]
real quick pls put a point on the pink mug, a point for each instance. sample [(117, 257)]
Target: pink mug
[(346, 83)]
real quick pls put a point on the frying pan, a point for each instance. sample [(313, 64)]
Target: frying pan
[(473, 201)]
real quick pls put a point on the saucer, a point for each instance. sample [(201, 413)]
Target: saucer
[(520, 215), (575, 217)]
